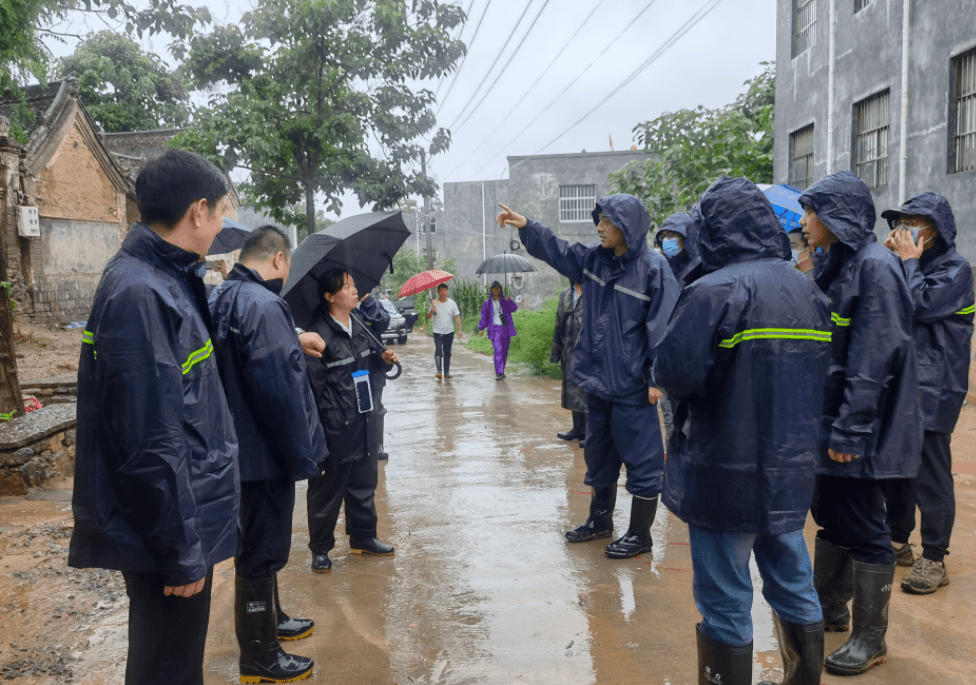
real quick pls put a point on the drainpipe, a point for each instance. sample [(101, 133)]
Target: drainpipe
[(832, 24), (903, 162)]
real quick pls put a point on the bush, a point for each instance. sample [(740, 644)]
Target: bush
[(534, 340)]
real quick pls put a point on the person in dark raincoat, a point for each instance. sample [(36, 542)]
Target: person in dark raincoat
[(350, 473), (156, 480), (941, 283), (745, 354), (872, 423), (281, 441), (496, 318), (569, 321), (378, 319), (629, 292)]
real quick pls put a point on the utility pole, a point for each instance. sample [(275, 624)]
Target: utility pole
[(430, 250)]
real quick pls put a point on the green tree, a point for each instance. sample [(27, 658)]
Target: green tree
[(124, 88), (313, 87), (689, 149)]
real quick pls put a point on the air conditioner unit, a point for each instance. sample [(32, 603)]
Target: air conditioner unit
[(28, 224)]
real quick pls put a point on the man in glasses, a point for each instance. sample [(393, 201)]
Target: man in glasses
[(941, 282)]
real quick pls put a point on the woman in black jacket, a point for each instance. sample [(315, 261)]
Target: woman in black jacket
[(350, 471)]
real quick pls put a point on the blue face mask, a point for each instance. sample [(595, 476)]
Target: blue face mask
[(796, 257), (670, 247)]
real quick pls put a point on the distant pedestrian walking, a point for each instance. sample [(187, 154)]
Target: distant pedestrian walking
[(569, 321), (445, 314), (496, 318)]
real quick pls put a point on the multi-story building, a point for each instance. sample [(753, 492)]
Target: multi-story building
[(885, 88)]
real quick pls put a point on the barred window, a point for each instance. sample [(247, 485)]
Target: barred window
[(576, 203), (860, 5), (801, 158), (804, 25), (871, 140), (963, 141)]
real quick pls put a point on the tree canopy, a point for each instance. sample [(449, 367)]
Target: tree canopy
[(690, 148), (315, 97), (124, 88)]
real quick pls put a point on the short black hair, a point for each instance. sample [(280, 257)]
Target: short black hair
[(169, 184), (442, 285), (331, 282), (263, 243)]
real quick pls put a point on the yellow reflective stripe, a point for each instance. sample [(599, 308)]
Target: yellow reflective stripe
[(776, 334), (968, 310), (88, 337), (839, 320), (198, 357)]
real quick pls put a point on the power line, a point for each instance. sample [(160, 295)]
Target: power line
[(486, 138), (613, 42), (511, 57), (467, 13), (675, 37), (498, 57), (464, 59)]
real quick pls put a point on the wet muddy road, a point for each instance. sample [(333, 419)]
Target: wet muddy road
[(483, 588)]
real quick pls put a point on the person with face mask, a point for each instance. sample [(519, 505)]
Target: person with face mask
[(676, 240)]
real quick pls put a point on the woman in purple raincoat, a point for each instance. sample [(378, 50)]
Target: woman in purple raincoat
[(496, 316)]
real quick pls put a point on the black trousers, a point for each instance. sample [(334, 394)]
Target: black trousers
[(851, 513), (442, 348), (264, 535), (166, 634), (933, 492), (351, 482)]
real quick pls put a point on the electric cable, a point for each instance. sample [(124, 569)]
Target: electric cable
[(465, 58), (467, 13)]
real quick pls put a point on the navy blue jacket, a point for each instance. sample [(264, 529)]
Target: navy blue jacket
[(941, 283), (745, 354), (156, 481), (871, 401), (684, 264), (263, 365), (628, 300)]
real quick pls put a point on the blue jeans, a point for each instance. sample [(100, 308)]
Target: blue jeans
[(723, 586)]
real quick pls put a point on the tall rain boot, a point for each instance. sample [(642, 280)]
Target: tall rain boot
[(722, 664), (802, 649), (600, 522), (637, 540), (866, 646), (437, 361), (262, 659), (290, 628), (833, 579)]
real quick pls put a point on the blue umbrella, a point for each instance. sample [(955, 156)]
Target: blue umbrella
[(784, 201)]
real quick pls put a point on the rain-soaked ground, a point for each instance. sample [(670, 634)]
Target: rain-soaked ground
[(483, 588)]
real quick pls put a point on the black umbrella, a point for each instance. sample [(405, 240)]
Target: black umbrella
[(363, 245), (231, 237), (505, 264)]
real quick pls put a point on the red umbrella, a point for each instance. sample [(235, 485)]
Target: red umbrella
[(423, 281)]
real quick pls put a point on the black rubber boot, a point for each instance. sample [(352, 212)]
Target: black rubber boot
[(637, 540), (370, 545), (600, 522), (722, 664), (833, 579), (290, 628), (866, 646), (802, 649), (262, 659)]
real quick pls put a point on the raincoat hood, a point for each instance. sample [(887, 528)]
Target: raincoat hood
[(933, 207), (738, 225), (679, 222), (844, 206), (629, 215)]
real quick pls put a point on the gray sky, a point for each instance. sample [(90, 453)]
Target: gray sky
[(687, 63)]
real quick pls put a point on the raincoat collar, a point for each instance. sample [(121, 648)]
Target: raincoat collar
[(738, 224), (145, 245), (629, 215), (244, 273), (844, 205)]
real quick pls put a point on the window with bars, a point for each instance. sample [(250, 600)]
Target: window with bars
[(804, 25), (576, 203), (860, 5), (871, 140), (801, 158), (963, 141)]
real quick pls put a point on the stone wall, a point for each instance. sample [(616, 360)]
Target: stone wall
[(37, 447)]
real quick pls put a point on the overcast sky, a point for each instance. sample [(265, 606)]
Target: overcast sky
[(567, 62)]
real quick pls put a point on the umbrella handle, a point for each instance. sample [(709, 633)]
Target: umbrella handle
[(396, 374)]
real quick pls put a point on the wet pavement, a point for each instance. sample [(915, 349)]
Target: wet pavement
[(483, 589)]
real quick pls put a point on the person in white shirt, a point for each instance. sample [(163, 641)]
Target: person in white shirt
[(442, 310)]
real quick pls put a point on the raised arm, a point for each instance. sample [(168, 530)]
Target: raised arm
[(542, 243)]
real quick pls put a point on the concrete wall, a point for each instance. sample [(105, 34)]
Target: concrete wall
[(466, 229), (867, 61)]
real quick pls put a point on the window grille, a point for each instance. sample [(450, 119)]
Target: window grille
[(871, 142), (804, 25), (964, 147), (860, 5), (576, 203), (801, 158)]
